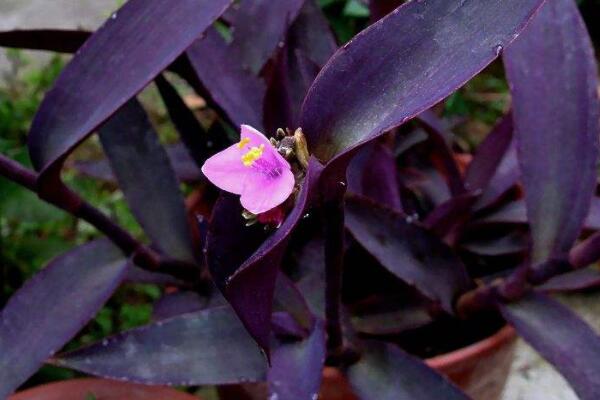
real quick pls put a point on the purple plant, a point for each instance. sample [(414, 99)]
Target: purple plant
[(426, 242)]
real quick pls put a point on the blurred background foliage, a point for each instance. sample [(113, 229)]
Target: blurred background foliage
[(32, 233)]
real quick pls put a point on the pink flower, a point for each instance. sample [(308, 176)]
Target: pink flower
[(253, 169)]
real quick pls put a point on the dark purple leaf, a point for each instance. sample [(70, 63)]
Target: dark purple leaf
[(506, 176), (135, 44), (210, 347), (258, 28), (311, 33), (385, 372), (310, 264), (373, 173), (489, 155), (184, 166), (580, 279), (404, 64), (552, 73), (147, 179), (53, 306), (286, 327), (513, 243), (135, 274), (237, 91), (407, 250), (246, 276), (190, 130), (177, 303), (62, 41), (444, 217), (561, 337), (288, 298), (297, 367)]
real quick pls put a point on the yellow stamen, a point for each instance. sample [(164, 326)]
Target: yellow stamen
[(252, 155), (243, 142)]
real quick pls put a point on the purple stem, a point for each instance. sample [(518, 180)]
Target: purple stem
[(59, 195)]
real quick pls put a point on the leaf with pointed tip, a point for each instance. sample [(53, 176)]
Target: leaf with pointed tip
[(584, 278), (53, 306), (138, 42), (404, 64), (489, 155), (238, 92), (147, 179), (246, 276), (552, 74), (373, 173), (297, 367), (210, 347), (58, 40), (506, 177), (445, 216), (190, 130), (183, 165), (258, 28), (561, 337), (407, 250), (385, 372), (311, 33), (178, 303)]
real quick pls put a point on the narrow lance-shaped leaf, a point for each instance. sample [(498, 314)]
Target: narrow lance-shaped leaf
[(238, 92), (210, 347), (297, 367), (258, 28), (147, 179), (561, 338), (135, 44), (53, 306), (407, 250), (385, 372), (404, 64), (552, 74), (247, 276)]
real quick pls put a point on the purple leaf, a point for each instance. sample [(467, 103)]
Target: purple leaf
[(489, 155), (373, 173), (237, 91), (513, 243), (561, 338), (184, 166), (147, 180), (311, 34), (62, 41), (506, 177), (138, 42), (404, 64), (258, 28), (407, 250), (210, 347), (288, 298), (445, 216), (297, 367), (552, 73), (385, 372), (392, 322), (247, 275), (53, 306), (310, 263), (190, 130), (178, 303), (135, 274), (585, 278)]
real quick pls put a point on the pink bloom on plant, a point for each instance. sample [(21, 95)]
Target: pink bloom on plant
[(253, 169)]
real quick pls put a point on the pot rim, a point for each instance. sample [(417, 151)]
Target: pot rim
[(503, 336)]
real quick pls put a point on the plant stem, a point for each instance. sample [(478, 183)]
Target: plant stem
[(57, 194), (334, 258)]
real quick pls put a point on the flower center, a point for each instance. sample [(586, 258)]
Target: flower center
[(252, 155)]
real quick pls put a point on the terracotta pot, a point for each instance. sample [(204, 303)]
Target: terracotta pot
[(101, 389), (480, 369)]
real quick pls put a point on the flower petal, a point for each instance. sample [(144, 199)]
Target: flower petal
[(253, 169), (267, 193)]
